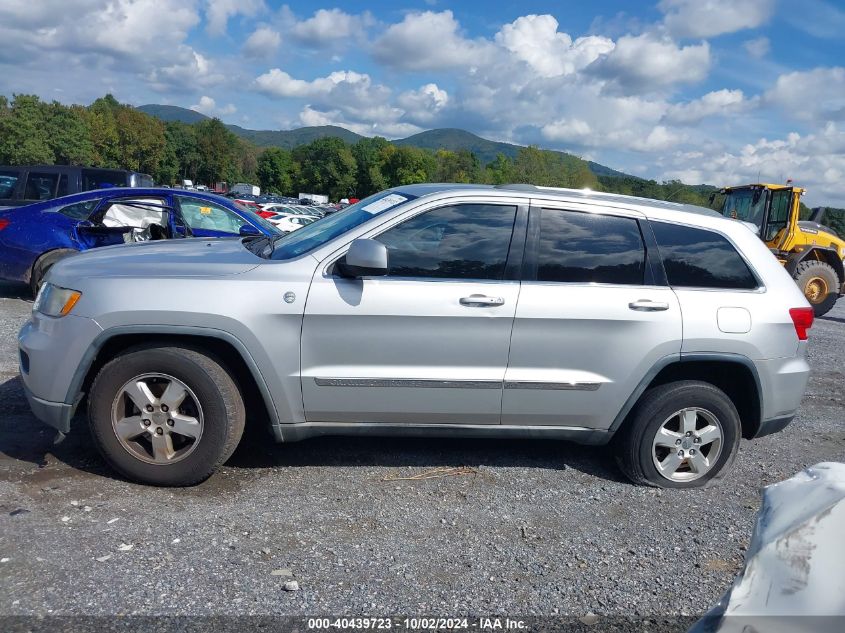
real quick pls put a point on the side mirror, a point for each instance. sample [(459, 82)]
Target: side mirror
[(248, 229), (365, 258)]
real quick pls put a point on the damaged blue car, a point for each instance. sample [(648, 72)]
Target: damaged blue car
[(36, 236)]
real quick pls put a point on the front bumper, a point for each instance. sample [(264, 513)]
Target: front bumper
[(55, 414), (52, 354)]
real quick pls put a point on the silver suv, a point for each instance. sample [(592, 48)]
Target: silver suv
[(665, 330)]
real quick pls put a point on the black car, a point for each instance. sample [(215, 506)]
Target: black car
[(25, 184)]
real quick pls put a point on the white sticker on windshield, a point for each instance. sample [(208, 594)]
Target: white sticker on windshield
[(382, 204)]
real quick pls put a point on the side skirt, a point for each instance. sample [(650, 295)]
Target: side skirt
[(302, 431)]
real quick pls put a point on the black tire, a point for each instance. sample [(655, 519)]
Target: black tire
[(43, 264), (633, 443), (813, 271), (215, 390)]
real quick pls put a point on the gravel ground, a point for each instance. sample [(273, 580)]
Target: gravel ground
[(533, 527)]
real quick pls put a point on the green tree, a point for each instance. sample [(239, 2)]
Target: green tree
[(24, 137), (460, 166), (499, 171), (370, 154), (141, 140), (326, 166), (408, 165), (275, 171), (217, 148), (69, 134)]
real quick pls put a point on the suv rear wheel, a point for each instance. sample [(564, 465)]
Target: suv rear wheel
[(680, 435), (168, 416)]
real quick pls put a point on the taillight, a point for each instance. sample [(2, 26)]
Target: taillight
[(802, 318), (3, 223)]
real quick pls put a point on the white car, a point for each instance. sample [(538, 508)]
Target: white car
[(287, 209), (287, 223)]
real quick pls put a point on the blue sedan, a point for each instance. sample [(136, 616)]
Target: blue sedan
[(36, 236)]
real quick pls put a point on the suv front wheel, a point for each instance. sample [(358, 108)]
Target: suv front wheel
[(167, 416), (683, 434)]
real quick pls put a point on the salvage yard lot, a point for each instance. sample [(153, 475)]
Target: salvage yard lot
[(521, 527)]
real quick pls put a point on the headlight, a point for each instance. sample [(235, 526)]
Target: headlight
[(55, 301)]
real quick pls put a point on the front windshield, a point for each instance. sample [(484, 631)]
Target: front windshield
[(748, 205), (318, 233)]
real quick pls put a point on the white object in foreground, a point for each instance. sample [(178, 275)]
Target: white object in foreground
[(794, 575)]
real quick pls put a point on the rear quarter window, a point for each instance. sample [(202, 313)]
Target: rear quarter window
[(698, 258)]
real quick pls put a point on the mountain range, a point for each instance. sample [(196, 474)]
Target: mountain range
[(442, 138)]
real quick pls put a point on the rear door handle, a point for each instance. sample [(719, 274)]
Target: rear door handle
[(481, 301), (645, 305)]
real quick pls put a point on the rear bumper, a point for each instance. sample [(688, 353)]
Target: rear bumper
[(772, 426), (783, 382)]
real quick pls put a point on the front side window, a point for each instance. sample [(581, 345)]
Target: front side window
[(202, 214), (40, 186), (697, 258), (464, 241), (580, 247)]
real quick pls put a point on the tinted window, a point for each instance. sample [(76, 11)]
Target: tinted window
[(697, 258), (588, 248), (80, 210), (468, 241), (102, 179), (8, 180), (40, 186)]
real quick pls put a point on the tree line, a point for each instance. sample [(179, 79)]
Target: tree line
[(112, 135)]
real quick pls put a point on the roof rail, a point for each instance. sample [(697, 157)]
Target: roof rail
[(519, 186)]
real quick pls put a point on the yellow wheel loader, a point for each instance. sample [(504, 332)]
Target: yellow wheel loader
[(812, 253)]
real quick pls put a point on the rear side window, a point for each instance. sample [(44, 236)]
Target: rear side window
[(587, 248), (40, 186), (697, 258), (80, 210), (8, 180)]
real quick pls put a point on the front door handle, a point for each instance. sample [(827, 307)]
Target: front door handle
[(481, 301), (646, 305)]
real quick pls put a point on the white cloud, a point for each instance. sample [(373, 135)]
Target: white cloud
[(535, 40), (327, 25), (815, 161), (813, 95), (708, 18), (262, 42), (218, 12), (758, 47), (278, 83), (429, 41), (718, 102), (105, 36), (208, 106), (644, 63), (190, 69), (424, 104)]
